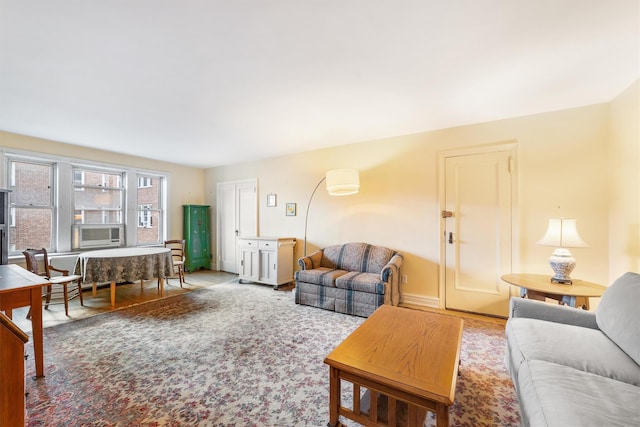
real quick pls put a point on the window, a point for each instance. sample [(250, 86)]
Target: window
[(53, 197), (31, 207), (78, 179), (145, 219), (150, 212), (98, 197), (144, 182)]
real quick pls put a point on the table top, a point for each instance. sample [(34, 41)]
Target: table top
[(124, 252), (410, 350), (542, 283), (14, 277)]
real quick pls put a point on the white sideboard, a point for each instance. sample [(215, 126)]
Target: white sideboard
[(267, 260)]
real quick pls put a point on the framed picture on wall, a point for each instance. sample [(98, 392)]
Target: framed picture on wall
[(271, 200), (291, 209)]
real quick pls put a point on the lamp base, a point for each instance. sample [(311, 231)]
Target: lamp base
[(561, 281), (562, 263)]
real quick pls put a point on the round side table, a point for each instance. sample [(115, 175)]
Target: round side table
[(539, 287)]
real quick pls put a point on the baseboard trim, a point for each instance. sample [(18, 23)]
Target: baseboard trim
[(421, 300)]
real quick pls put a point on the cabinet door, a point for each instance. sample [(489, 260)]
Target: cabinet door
[(201, 232), (249, 264), (197, 236), (268, 267)]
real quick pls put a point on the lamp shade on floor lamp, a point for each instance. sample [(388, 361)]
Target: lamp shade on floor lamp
[(339, 182)]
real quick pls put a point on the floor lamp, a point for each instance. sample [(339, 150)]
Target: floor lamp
[(340, 182)]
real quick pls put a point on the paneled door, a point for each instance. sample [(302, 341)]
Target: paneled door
[(237, 216), (477, 238)]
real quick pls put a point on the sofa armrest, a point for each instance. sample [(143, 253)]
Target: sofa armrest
[(391, 274), (310, 261), (522, 307), (392, 267)]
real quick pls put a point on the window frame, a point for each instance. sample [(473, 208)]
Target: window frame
[(63, 190), (104, 187), (10, 160), (160, 211)]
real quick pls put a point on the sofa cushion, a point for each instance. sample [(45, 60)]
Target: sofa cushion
[(361, 257), (320, 276), (585, 349), (617, 314), (559, 396), (363, 282)]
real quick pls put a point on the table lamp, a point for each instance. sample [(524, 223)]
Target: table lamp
[(562, 233)]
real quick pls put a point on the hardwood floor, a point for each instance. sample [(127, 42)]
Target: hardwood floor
[(132, 293), (126, 295), (462, 314)]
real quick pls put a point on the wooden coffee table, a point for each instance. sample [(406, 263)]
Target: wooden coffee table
[(409, 357)]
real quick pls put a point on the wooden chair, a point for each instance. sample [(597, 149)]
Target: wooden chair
[(32, 257), (177, 256)]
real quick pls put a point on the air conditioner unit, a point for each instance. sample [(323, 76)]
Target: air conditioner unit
[(92, 236)]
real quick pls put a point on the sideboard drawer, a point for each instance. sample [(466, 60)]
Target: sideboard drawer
[(249, 243), (268, 245)]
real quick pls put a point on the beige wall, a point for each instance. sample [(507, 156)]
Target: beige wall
[(186, 184), (624, 195), (563, 170)]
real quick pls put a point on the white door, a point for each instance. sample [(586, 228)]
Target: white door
[(237, 214), (477, 231)]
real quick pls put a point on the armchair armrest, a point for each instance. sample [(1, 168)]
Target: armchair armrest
[(521, 307), (59, 270), (310, 261)]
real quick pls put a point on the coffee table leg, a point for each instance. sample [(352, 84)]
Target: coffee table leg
[(334, 397), (442, 415)]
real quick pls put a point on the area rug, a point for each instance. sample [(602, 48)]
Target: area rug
[(228, 355)]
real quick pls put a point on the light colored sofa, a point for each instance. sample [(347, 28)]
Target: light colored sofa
[(572, 367), (352, 278)]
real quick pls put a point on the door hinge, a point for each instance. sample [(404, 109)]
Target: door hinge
[(447, 214)]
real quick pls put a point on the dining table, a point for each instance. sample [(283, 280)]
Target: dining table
[(125, 265)]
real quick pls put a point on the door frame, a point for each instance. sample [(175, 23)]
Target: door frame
[(508, 145)]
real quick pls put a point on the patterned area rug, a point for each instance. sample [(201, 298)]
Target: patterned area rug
[(228, 355)]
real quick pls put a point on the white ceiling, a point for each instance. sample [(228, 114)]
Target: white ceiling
[(213, 82)]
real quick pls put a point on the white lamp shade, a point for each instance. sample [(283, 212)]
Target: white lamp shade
[(342, 182), (562, 233)]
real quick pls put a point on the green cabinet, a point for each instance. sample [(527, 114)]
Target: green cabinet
[(197, 236)]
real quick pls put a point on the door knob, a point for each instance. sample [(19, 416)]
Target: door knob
[(450, 238)]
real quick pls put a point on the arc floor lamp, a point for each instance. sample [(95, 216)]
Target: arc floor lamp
[(340, 182)]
